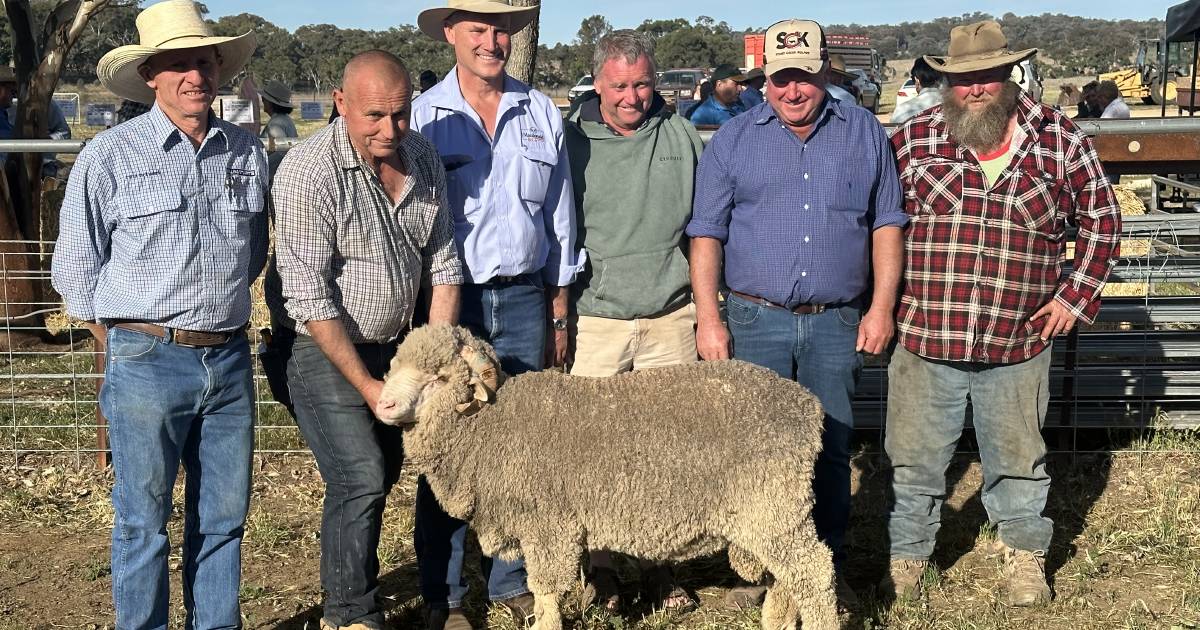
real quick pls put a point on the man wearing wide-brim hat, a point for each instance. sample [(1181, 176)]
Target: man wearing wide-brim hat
[(839, 79), (752, 86), (508, 183), (991, 179), (161, 233)]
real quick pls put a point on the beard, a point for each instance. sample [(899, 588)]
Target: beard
[(983, 129)]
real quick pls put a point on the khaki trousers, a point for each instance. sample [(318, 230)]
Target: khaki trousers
[(605, 346)]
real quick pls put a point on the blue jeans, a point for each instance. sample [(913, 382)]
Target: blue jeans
[(512, 317), (359, 459), (168, 404), (817, 351), (927, 404)]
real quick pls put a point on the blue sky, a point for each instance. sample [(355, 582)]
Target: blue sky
[(561, 18)]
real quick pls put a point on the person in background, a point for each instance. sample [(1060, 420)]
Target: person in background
[(839, 83), (723, 104), (1107, 99), (929, 91), (752, 88), (427, 80), (277, 102), (57, 129), (1084, 108)]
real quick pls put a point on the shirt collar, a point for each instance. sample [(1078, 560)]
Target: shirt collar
[(764, 113), (447, 94), (166, 134)]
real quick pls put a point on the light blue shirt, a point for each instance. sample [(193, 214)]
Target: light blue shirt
[(155, 230), (841, 94), (926, 98), (510, 195)]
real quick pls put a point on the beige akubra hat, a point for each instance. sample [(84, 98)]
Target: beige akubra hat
[(430, 20), (169, 25), (978, 46)]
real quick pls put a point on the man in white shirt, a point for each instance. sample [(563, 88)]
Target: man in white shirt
[(1108, 99)]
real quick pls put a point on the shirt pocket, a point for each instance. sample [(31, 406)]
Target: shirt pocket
[(936, 187), (242, 201), (534, 165), (148, 200), (1038, 198)]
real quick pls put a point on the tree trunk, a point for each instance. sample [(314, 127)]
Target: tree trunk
[(37, 75), (522, 62)]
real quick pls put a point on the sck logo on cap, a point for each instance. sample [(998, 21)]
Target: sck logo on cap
[(795, 44)]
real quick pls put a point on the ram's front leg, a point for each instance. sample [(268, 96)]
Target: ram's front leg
[(553, 564)]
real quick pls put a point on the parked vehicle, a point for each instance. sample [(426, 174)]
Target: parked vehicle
[(907, 91), (679, 84), (584, 86), (1144, 81), (866, 89)]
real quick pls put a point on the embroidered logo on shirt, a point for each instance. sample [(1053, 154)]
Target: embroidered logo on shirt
[(530, 136), (670, 158)]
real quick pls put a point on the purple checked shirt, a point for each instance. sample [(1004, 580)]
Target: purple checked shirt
[(795, 216)]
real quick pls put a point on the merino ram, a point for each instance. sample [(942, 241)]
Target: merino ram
[(665, 464)]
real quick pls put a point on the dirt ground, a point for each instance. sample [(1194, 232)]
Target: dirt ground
[(1126, 552)]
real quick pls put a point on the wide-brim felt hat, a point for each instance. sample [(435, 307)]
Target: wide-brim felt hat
[(978, 46), (169, 25), (277, 93), (837, 65), (430, 20)]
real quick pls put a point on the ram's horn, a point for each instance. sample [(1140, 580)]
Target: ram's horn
[(484, 373)]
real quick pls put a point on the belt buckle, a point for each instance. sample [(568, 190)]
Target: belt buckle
[(818, 308)]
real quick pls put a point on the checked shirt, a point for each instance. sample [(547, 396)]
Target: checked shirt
[(980, 260)]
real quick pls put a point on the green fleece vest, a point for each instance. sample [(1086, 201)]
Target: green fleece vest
[(633, 199)]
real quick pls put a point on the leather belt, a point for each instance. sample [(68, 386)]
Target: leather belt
[(799, 309), (180, 337), (503, 280)]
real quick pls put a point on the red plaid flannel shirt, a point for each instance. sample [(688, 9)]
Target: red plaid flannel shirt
[(980, 262)]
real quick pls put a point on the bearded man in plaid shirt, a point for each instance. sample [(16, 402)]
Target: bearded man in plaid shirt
[(991, 179)]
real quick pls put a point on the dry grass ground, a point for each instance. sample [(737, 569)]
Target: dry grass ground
[(1126, 552)]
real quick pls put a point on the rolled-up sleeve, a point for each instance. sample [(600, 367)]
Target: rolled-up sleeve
[(84, 233), (714, 192), (558, 212), (887, 200), (305, 234)]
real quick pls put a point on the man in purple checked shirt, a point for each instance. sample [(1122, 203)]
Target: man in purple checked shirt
[(801, 198)]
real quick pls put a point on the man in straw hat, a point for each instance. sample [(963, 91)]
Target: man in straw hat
[(345, 301), (162, 232), (799, 197), (839, 79), (509, 186), (991, 178)]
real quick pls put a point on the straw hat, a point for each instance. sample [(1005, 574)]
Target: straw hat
[(978, 46), (169, 25), (837, 64), (430, 20), (277, 93)]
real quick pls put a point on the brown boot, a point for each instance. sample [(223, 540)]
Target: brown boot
[(904, 579), (521, 608), (448, 619), (1025, 572)]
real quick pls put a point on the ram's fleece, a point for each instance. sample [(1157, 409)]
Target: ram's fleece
[(665, 464)]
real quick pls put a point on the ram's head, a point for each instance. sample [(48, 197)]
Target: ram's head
[(438, 370)]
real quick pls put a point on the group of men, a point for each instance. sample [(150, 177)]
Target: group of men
[(603, 243)]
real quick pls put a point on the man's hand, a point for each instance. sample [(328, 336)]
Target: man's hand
[(1059, 319), (556, 347), (371, 391), (875, 331), (712, 341)]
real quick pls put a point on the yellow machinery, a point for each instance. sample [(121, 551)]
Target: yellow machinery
[(1144, 80)]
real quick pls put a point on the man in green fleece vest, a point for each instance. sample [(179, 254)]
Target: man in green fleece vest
[(633, 164)]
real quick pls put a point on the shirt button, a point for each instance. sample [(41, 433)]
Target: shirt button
[(806, 206), (806, 176), (803, 274), (805, 239)]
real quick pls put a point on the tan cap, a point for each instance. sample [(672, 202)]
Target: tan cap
[(795, 44)]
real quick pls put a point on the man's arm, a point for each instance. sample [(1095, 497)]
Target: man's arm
[(331, 337), (556, 340), (443, 304), (712, 338), (83, 243), (887, 260)]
